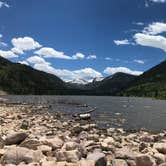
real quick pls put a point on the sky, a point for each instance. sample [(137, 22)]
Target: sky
[(84, 39)]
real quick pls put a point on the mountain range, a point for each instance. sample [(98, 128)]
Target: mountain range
[(16, 78)]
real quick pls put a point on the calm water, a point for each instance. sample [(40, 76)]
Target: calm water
[(131, 113)]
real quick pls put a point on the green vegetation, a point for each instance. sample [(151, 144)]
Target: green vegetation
[(16, 78), (150, 84)]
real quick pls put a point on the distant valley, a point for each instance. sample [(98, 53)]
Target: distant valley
[(16, 78)]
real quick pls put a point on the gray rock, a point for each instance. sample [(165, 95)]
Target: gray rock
[(15, 138), (30, 144), (98, 158), (160, 158), (145, 160), (17, 155), (119, 162)]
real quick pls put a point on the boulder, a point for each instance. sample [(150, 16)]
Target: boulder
[(72, 156), (87, 163), (15, 138), (163, 164), (44, 149), (98, 158), (109, 141), (17, 155), (161, 147), (145, 160), (119, 162), (30, 144)]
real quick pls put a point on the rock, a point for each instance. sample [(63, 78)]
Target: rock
[(54, 142), (60, 156), (72, 156), (125, 153), (98, 158), (87, 163), (145, 160), (161, 147), (48, 163), (163, 164), (131, 162), (44, 149), (2, 142), (15, 138), (119, 162), (17, 155), (160, 158), (142, 146), (109, 141), (30, 144), (2, 152), (146, 138), (24, 125)]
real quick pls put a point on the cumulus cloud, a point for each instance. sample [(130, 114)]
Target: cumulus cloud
[(22, 44), (91, 57), (113, 70), (139, 61), (48, 52), (122, 42), (150, 40), (155, 28), (37, 60), (78, 56), (4, 4), (67, 75), (8, 54)]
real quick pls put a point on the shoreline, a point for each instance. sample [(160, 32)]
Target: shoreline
[(39, 138)]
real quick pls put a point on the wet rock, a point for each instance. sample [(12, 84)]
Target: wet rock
[(145, 160), (119, 162), (17, 155), (2, 142), (15, 138), (98, 158), (30, 144), (161, 147)]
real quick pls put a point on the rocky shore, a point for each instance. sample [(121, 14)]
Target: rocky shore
[(29, 135)]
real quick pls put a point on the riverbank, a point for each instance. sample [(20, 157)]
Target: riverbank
[(31, 136)]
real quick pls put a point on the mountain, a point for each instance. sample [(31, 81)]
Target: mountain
[(16, 78), (151, 83), (78, 81), (112, 84)]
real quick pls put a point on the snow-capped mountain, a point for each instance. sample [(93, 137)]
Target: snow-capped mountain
[(79, 81), (97, 79)]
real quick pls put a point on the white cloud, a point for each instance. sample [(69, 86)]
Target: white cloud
[(121, 42), (1, 35), (113, 70), (37, 60), (78, 56), (155, 28), (67, 75), (4, 4), (91, 57), (17, 50), (138, 23), (8, 54), (3, 44), (158, 1), (139, 61), (150, 40), (23, 44), (48, 52), (108, 58)]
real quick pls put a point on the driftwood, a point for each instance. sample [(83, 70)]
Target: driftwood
[(84, 115)]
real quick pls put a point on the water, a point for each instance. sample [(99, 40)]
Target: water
[(128, 112)]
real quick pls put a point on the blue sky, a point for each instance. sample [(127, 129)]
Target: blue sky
[(83, 39)]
